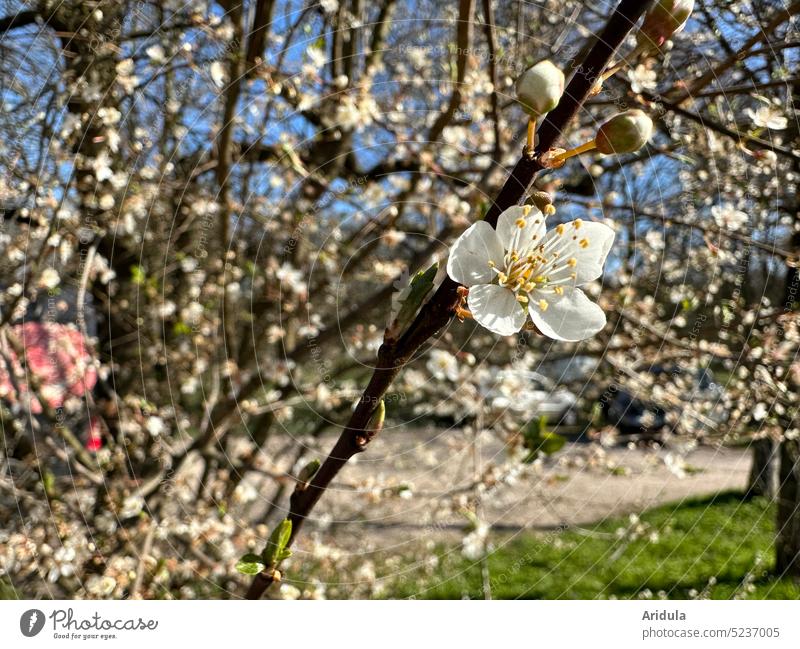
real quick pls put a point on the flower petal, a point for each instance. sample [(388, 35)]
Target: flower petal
[(589, 243), (571, 316), (507, 227), (496, 308), (468, 263)]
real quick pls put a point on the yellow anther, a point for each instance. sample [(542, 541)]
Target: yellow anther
[(558, 290), (573, 275), (578, 223), (543, 305), (514, 256), (527, 209), (560, 229), (572, 261), (529, 287), (520, 223), (522, 299), (583, 243), (491, 264), (540, 279), (528, 272), (549, 210), (502, 277)]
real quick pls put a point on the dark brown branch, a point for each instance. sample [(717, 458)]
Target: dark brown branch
[(258, 34), (463, 40), (438, 311)]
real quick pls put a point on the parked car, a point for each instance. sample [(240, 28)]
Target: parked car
[(531, 394), (631, 414)]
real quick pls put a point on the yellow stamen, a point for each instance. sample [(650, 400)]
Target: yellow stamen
[(522, 299), (583, 243), (572, 262), (558, 290), (560, 229), (520, 223), (543, 305), (578, 223)]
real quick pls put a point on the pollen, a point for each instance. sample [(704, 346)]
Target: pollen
[(583, 243), (558, 290), (527, 209), (520, 223), (522, 299), (572, 261), (491, 264), (549, 210), (543, 305), (560, 229), (578, 223)]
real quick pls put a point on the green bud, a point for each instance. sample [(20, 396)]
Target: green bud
[(624, 133), (410, 299), (308, 471), (665, 19), (376, 423), (539, 89)]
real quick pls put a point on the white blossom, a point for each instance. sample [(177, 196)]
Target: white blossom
[(642, 78), (768, 115), (218, 75), (726, 216), (442, 365), (520, 269)]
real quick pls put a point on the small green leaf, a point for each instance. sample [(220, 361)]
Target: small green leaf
[(138, 275), (551, 443), (538, 439), (277, 543), (250, 564)]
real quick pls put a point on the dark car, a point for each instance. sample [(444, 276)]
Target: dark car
[(632, 415)]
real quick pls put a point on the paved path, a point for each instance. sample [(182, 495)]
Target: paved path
[(582, 485)]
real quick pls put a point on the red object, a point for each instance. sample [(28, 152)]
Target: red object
[(57, 355), (94, 440)]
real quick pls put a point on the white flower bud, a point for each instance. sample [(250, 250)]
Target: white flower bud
[(539, 89), (624, 133), (665, 19)]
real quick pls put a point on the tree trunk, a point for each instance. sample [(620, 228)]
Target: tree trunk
[(763, 469), (787, 546)]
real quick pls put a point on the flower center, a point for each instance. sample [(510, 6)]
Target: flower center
[(535, 270)]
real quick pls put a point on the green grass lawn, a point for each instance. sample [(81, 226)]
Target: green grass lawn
[(719, 547)]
